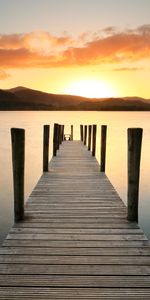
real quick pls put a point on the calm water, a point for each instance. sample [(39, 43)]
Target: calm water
[(116, 167)]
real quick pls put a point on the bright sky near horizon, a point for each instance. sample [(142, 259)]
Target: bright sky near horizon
[(92, 48)]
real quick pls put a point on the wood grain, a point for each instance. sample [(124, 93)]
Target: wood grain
[(75, 241)]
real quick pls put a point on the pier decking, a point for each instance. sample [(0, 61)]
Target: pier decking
[(75, 241)]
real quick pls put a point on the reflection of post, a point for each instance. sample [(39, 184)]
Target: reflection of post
[(89, 137), (85, 134), (134, 155), (103, 147), (18, 158), (81, 133), (94, 140), (71, 132), (45, 148)]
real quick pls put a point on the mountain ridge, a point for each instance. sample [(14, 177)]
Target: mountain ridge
[(22, 98)]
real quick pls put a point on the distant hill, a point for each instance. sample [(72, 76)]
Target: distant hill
[(21, 98)]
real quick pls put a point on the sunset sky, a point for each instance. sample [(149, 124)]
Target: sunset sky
[(93, 48)]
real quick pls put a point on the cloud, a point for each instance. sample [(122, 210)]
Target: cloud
[(129, 69), (3, 75), (41, 49)]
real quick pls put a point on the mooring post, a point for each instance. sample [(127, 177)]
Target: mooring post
[(46, 130), (60, 135), (103, 147), (62, 132), (18, 161), (71, 132), (89, 137), (134, 155), (94, 140), (81, 133), (58, 142), (85, 134), (55, 139)]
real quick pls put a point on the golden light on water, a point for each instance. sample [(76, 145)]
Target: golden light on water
[(91, 88)]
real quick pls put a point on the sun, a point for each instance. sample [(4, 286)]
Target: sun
[(91, 88)]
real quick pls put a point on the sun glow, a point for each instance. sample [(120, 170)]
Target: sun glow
[(91, 88)]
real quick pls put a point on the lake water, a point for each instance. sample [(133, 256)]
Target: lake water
[(116, 165)]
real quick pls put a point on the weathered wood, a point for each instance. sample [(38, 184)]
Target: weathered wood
[(81, 133), (94, 140), (71, 137), (134, 154), (89, 137), (103, 148), (85, 134), (59, 136), (99, 231), (75, 259), (95, 269), (46, 130), (72, 293), (75, 281), (18, 160), (55, 139), (98, 251), (77, 237), (75, 241), (62, 133)]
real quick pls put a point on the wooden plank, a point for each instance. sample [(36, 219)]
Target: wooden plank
[(54, 269), (75, 260), (23, 293), (75, 241), (77, 237), (73, 225), (75, 251), (75, 231), (74, 281)]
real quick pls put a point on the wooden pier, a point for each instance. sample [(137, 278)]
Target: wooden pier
[(75, 241)]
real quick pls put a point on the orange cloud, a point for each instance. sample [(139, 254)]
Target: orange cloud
[(3, 75), (129, 69), (41, 49)]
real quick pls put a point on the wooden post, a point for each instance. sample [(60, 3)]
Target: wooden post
[(134, 155), (55, 139), (85, 134), (45, 148), (62, 137), (58, 142), (71, 132), (103, 147), (81, 133), (94, 140), (89, 137), (18, 160), (58, 137), (60, 134)]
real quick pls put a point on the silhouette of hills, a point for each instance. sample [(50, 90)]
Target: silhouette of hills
[(21, 98)]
